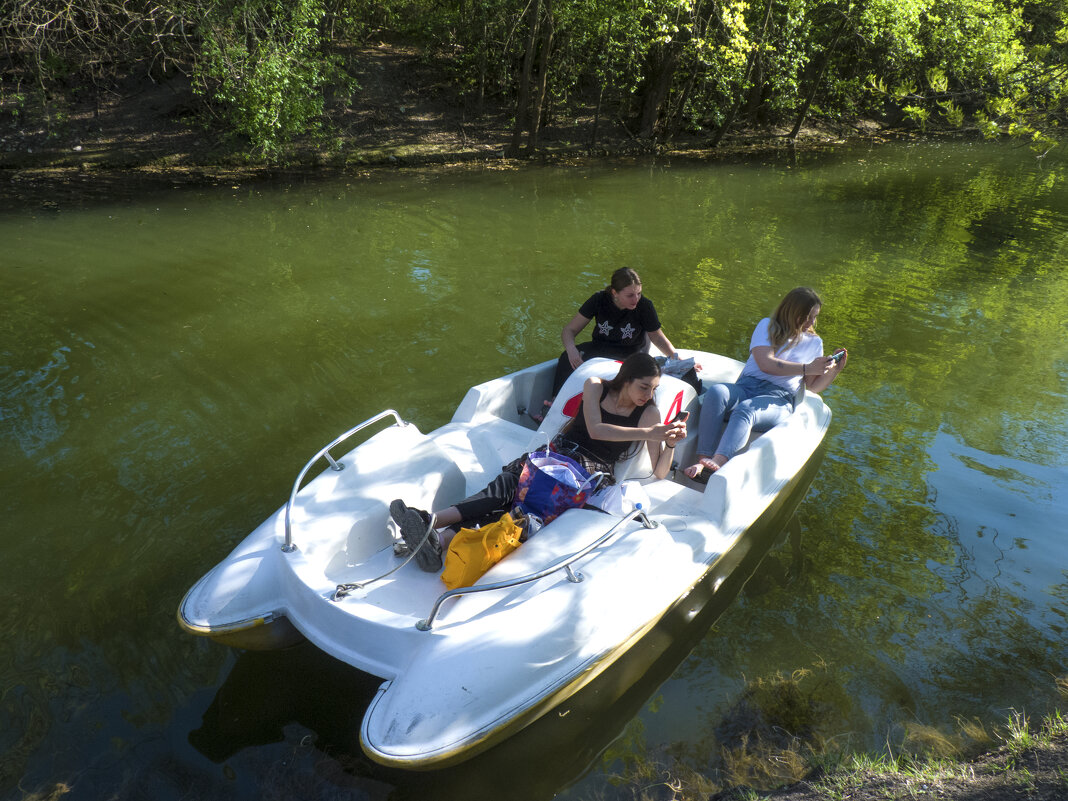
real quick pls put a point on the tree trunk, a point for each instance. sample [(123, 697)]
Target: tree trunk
[(756, 91), (748, 72), (659, 86), (600, 94), (819, 79), (543, 75), (480, 98), (522, 110), (680, 110)]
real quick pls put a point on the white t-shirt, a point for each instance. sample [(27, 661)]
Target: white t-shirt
[(809, 348)]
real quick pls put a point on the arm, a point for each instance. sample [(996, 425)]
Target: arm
[(649, 426), (817, 374), (766, 360), (820, 381), (660, 340), (662, 454), (567, 336)]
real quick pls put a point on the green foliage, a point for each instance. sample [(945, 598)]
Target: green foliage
[(1003, 65), (263, 63), (918, 114), (991, 66), (953, 113)]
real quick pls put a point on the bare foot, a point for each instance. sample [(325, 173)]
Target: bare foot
[(538, 417), (704, 468)]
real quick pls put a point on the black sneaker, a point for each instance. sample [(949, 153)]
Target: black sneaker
[(413, 524), (397, 510)]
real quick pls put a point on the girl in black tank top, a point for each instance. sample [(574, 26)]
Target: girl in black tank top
[(575, 438), (632, 387)]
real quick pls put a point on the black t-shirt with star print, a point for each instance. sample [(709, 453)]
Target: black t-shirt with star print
[(622, 327)]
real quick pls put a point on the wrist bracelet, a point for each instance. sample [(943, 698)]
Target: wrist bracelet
[(804, 369)]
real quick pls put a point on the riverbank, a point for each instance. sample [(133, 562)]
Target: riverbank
[(1031, 763), (1035, 771), (141, 136)]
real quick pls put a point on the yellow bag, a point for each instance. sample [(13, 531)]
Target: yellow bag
[(473, 551)]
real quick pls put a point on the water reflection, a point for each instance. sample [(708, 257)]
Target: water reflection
[(167, 366)]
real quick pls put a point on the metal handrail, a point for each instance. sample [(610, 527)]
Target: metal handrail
[(334, 465), (426, 623)]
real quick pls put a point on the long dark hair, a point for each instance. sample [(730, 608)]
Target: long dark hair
[(637, 365)]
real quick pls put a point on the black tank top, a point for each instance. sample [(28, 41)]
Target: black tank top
[(606, 451)]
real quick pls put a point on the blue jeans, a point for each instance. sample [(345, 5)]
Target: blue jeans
[(750, 404)]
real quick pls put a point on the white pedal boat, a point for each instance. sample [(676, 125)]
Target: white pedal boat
[(464, 669)]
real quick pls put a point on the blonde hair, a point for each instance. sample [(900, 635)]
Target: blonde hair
[(789, 318)]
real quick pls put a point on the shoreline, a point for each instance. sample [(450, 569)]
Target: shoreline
[(141, 136), (55, 180)]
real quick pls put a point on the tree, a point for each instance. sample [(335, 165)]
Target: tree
[(263, 63)]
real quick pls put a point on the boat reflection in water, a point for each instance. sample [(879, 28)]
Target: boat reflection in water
[(267, 691)]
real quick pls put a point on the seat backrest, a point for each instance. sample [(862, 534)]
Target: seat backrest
[(569, 398)]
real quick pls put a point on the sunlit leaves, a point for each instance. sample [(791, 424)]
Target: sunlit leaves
[(937, 80), (905, 90), (734, 49), (261, 62), (953, 113), (917, 114)]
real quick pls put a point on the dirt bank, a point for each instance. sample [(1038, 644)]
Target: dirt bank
[(140, 135)]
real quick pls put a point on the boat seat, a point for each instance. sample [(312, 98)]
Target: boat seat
[(481, 449), (341, 518)]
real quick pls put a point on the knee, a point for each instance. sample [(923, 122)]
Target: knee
[(743, 413), (715, 400)]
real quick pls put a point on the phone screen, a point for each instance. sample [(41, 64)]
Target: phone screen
[(681, 417)]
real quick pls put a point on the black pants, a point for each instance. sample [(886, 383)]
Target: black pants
[(498, 497), (495, 499)]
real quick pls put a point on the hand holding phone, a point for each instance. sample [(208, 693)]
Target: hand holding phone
[(838, 356)]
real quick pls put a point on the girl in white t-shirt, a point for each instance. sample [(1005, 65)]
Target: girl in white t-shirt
[(784, 351)]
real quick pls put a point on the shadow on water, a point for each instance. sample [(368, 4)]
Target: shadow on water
[(266, 691)]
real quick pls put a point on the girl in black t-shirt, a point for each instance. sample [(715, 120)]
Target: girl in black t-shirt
[(623, 317)]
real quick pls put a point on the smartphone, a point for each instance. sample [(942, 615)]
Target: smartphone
[(681, 417), (838, 356)]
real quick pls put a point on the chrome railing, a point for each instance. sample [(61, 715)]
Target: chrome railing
[(334, 465), (565, 565)]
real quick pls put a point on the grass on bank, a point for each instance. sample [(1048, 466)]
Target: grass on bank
[(754, 765), (1018, 738)]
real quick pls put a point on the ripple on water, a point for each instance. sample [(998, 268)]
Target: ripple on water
[(36, 402), (1006, 515)]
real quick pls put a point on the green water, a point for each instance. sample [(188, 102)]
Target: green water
[(167, 365)]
